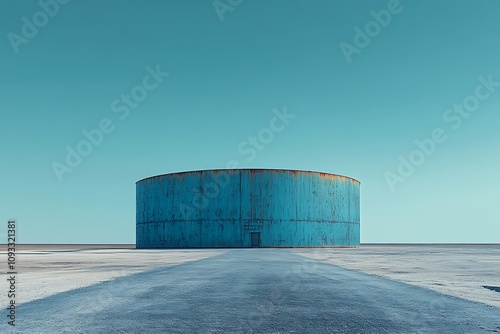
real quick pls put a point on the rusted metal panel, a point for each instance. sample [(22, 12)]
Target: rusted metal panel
[(221, 208)]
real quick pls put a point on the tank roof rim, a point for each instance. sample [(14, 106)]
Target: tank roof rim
[(246, 169)]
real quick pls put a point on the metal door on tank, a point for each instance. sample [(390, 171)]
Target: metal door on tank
[(255, 239)]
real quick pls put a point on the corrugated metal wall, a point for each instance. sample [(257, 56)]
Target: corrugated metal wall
[(221, 208)]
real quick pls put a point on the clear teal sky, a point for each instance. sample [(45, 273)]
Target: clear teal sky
[(225, 78)]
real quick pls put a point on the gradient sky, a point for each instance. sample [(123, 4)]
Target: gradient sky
[(226, 77)]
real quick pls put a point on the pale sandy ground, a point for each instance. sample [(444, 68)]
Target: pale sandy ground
[(459, 271), (248, 291), (456, 270), (42, 273)]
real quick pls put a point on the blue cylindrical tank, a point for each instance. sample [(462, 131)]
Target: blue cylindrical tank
[(247, 208)]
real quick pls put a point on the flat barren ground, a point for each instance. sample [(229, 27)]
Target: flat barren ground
[(372, 289), (47, 270), (457, 270)]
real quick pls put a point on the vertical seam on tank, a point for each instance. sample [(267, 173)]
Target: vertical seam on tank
[(240, 196)]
